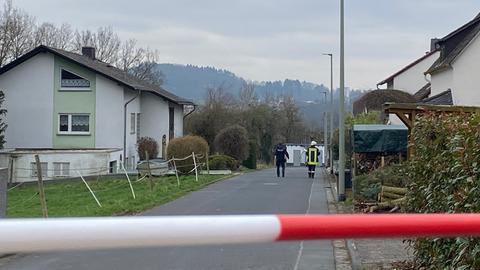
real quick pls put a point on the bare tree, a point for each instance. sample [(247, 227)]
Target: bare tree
[(16, 28), (247, 96), (50, 35), (82, 39), (140, 62), (291, 118), (20, 30), (129, 55), (107, 44), (5, 41), (147, 69), (64, 38), (218, 98), (105, 40), (19, 33)]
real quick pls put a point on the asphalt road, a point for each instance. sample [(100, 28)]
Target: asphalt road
[(253, 193)]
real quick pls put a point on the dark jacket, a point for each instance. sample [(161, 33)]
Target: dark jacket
[(281, 154)]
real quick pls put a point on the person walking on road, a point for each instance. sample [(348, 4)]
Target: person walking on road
[(281, 157), (312, 158)]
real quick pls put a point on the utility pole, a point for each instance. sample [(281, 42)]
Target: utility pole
[(331, 110), (341, 120)]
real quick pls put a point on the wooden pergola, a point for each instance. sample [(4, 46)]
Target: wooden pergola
[(407, 112)]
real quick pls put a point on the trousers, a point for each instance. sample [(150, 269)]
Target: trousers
[(281, 164), (311, 171)]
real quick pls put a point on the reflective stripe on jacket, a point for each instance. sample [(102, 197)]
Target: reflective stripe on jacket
[(312, 156)]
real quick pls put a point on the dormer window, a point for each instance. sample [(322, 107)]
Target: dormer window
[(71, 81)]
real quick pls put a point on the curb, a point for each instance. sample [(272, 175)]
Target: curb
[(341, 252)]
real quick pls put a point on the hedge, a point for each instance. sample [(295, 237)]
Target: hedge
[(223, 162), (444, 177), (149, 145), (233, 141), (183, 147)]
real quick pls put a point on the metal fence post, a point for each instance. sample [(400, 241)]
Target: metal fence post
[(3, 192)]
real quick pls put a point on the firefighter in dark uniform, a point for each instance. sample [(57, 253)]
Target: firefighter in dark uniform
[(312, 158), (281, 156)]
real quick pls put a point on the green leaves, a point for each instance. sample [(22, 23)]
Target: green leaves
[(444, 178)]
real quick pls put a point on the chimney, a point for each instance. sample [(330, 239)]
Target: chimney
[(434, 44), (89, 52)]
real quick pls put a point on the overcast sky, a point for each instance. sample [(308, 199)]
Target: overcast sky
[(272, 39)]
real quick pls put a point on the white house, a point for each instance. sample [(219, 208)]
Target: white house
[(454, 72), (411, 78), (449, 68), (68, 107)]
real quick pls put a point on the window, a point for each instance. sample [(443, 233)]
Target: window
[(43, 167), (138, 126), (132, 123), (171, 121), (71, 81), (112, 167), (74, 124), (61, 169)]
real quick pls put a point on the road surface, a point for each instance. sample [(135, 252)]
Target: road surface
[(254, 193)]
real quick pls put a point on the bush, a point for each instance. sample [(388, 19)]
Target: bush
[(183, 147), (444, 176), (368, 186), (149, 145), (251, 161), (233, 141), (222, 162)]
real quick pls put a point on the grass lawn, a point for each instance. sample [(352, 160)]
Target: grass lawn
[(71, 198)]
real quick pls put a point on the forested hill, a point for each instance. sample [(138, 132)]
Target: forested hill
[(191, 82)]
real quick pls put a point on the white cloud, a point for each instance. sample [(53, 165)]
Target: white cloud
[(272, 39)]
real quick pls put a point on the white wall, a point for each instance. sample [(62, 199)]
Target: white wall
[(87, 163), (413, 79), (442, 81), (28, 92), (154, 118), (291, 150), (466, 79), (109, 114)]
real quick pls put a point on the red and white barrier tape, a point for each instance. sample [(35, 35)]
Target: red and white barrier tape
[(29, 235)]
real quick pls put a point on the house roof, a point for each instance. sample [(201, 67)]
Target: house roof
[(414, 63), (102, 68), (375, 99), (423, 93), (444, 98), (452, 45)]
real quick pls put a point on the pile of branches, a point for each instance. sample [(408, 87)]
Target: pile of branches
[(390, 199)]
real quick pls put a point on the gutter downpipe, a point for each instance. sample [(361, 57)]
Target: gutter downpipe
[(125, 126), (194, 108)]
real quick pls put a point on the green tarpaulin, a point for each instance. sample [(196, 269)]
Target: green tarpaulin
[(379, 138)]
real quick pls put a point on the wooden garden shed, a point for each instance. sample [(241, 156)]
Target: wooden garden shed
[(408, 112)]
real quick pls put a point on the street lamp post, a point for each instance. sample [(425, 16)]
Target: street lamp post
[(341, 124), (331, 110), (325, 131)]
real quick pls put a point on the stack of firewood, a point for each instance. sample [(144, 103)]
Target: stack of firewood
[(390, 198)]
